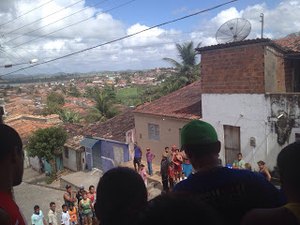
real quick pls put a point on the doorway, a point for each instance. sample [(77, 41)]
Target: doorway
[(232, 143)]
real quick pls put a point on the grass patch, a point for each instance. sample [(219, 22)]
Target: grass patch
[(128, 96)]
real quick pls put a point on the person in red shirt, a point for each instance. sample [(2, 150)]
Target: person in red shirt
[(11, 174)]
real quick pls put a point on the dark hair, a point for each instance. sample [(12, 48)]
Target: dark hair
[(52, 203), (198, 151), (68, 186), (91, 186), (166, 147), (9, 140), (288, 164), (260, 162), (121, 194), (239, 154), (64, 205), (177, 209), (36, 207)]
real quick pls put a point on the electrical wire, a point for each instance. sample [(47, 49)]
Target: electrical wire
[(73, 24), (51, 14), (95, 5), (124, 37), (25, 13)]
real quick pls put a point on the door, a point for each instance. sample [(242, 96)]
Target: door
[(232, 143), (88, 160)]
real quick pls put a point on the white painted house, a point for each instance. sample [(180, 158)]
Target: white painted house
[(250, 94)]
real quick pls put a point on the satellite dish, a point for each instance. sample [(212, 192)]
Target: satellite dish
[(233, 30)]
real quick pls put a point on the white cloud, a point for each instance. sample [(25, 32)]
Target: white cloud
[(145, 50)]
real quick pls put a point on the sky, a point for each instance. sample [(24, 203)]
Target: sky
[(50, 29)]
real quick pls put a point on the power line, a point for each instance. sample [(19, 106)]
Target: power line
[(73, 24), (25, 13), (124, 37), (51, 22), (42, 18)]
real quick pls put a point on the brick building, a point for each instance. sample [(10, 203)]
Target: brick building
[(249, 93)]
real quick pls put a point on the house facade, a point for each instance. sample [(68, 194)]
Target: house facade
[(249, 94), (109, 144), (158, 123)]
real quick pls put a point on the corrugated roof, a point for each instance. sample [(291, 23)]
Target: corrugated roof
[(184, 103)]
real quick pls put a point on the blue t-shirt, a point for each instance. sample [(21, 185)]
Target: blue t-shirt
[(231, 192), (187, 169), (137, 152)]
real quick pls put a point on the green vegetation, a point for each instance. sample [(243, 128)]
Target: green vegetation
[(55, 102), (47, 143), (69, 116), (187, 67), (105, 99), (129, 96)]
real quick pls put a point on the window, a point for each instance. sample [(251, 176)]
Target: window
[(153, 131), (66, 152)]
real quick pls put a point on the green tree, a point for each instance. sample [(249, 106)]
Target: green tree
[(188, 66), (47, 143), (73, 91), (54, 103), (104, 104), (93, 116), (69, 116)]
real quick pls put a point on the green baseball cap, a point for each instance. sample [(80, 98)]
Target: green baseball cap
[(198, 132)]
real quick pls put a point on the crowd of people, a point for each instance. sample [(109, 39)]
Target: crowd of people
[(78, 209), (174, 166), (212, 194)]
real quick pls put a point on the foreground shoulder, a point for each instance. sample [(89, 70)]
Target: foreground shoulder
[(276, 216), (4, 218)]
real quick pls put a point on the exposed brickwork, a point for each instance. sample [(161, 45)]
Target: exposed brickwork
[(237, 69)]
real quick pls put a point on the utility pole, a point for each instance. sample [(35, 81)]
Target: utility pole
[(262, 25)]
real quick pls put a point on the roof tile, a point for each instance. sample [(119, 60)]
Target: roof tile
[(184, 103)]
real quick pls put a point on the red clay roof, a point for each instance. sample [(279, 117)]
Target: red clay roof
[(114, 128), (184, 103), (290, 43)]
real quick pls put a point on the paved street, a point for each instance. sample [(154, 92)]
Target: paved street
[(28, 195)]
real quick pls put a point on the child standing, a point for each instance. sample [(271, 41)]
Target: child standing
[(65, 217), (143, 173), (73, 214)]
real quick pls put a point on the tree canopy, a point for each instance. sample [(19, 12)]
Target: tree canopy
[(188, 66), (46, 143)]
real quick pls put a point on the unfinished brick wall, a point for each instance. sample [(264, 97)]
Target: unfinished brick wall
[(238, 69)]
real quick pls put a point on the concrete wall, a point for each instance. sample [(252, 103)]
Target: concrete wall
[(274, 71), (169, 129), (71, 161), (247, 111)]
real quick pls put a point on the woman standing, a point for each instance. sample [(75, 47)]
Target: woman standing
[(86, 207)]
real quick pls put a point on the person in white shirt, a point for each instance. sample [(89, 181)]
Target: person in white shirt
[(52, 215), (65, 217), (37, 217)]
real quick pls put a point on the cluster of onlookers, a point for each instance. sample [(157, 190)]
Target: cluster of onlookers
[(78, 209), (239, 163), (175, 166), (212, 194)]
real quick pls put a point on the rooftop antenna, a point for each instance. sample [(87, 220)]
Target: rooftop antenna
[(262, 24), (233, 30)]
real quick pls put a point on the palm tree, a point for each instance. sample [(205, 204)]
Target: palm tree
[(188, 66)]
